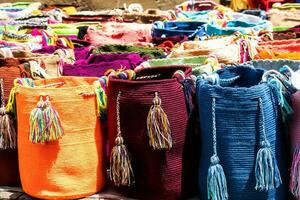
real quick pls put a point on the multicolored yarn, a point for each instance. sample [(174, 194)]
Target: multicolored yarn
[(53, 40), (45, 125), (158, 126), (121, 172), (8, 135), (101, 86)]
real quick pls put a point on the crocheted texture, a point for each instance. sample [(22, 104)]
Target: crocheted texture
[(97, 65), (274, 64), (9, 70), (143, 51), (158, 174), (119, 33), (295, 141), (58, 169), (240, 121), (171, 29)]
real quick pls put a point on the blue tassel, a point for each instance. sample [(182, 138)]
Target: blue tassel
[(216, 180), (266, 170)]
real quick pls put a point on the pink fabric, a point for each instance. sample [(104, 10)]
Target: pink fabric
[(119, 33), (295, 123)]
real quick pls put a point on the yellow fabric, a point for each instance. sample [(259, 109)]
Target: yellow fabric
[(70, 10)]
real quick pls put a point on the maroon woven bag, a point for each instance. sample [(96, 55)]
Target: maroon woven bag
[(10, 69), (160, 173)]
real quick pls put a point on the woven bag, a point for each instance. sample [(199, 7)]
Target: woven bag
[(154, 170), (230, 49), (274, 64), (119, 33), (240, 137), (171, 29), (96, 65), (60, 154), (295, 140), (150, 52), (279, 49), (233, 26), (10, 69), (199, 64), (9, 172)]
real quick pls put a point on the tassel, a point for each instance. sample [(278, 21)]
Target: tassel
[(267, 174), (294, 182), (158, 126), (8, 136), (37, 123), (53, 127), (266, 170), (121, 172), (216, 180)]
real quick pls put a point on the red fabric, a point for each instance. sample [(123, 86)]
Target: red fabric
[(9, 170), (158, 174)]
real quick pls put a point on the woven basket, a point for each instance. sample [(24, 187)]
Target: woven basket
[(71, 167), (158, 174), (238, 111)]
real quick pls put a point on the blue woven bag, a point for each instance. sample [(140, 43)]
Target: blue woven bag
[(237, 26), (170, 29), (243, 152)]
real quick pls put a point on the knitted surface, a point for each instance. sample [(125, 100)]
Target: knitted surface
[(143, 51), (158, 174), (171, 29), (71, 167), (119, 33), (274, 64), (9, 70), (97, 65), (238, 131), (237, 25), (294, 125)]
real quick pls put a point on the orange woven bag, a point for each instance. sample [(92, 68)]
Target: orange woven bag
[(70, 165)]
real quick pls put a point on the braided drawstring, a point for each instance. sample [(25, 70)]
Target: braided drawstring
[(267, 174), (216, 180), (121, 172)]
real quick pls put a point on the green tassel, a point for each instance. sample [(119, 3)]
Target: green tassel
[(37, 124), (53, 128), (8, 136)]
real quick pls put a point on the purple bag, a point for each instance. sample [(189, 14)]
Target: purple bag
[(96, 65)]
